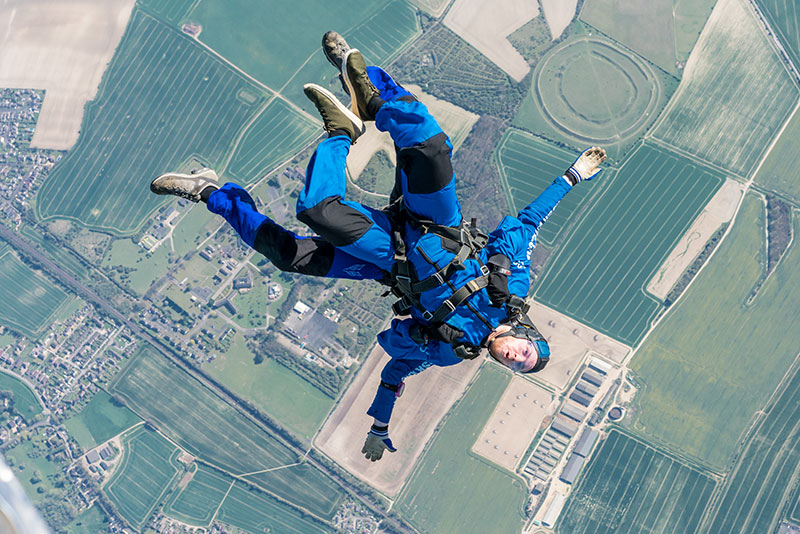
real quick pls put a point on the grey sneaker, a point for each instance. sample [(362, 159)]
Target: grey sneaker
[(185, 185), (358, 84), (334, 47), (335, 115)]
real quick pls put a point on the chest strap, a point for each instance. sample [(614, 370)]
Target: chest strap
[(459, 295)]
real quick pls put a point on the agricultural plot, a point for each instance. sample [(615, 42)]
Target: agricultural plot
[(268, 385), (99, 421), (756, 493), (170, 11), (29, 299), (645, 26), (612, 106), (700, 393), (437, 507), (690, 17), (163, 100), (197, 502), (778, 171), (26, 403), (630, 487), (784, 19), (527, 166), (277, 46), (277, 134), (733, 99), (600, 272), (211, 429), (146, 472), (257, 512)]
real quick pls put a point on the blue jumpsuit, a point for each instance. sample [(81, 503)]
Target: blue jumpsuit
[(355, 241)]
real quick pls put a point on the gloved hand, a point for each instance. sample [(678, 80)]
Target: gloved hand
[(421, 333), (499, 269), (587, 166), (377, 441)]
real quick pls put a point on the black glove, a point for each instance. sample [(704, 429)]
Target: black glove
[(499, 269), (421, 333)]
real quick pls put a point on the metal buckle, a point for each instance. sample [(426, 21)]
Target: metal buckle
[(484, 270), (439, 277), (427, 315)]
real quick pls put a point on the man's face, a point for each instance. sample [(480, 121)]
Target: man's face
[(517, 354)]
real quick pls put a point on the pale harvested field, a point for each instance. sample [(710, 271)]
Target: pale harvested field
[(485, 25), (732, 100), (513, 423), (719, 210), (434, 8), (455, 121), (569, 342), (428, 397), (63, 47), (558, 14)]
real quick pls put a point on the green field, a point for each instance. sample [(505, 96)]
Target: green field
[(163, 100), (146, 472), (453, 490), (29, 300), (702, 385), (214, 431), (90, 521), (784, 18), (644, 26), (714, 115), (277, 134), (527, 166), (690, 17), (756, 493), (258, 513), (630, 488), (145, 267), (269, 385), (99, 421), (600, 272), (28, 461), (587, 90), (276, 46), (170, 11), (26, 403), (197, 503), (777, 172)]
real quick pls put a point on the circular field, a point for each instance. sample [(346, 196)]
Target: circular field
[(594, 91)]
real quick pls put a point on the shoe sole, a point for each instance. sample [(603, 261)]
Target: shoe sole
[(330, 59), (207, 174), (353, 117), (349, 84)]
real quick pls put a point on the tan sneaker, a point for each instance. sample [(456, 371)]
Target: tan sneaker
[(185, 185), (358, 84), (335, 115)]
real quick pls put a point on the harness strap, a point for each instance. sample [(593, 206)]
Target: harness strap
[(459, 295), (438, 278)]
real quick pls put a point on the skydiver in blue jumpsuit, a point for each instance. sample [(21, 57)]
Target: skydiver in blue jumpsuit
[(358, 242)]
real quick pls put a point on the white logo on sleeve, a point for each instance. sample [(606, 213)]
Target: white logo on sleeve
[(355, 270)]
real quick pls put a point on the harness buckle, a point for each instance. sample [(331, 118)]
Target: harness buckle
[(427, 315), (484, 270)]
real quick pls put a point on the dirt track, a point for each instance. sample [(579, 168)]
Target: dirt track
[(427, 398), (63, 47)]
